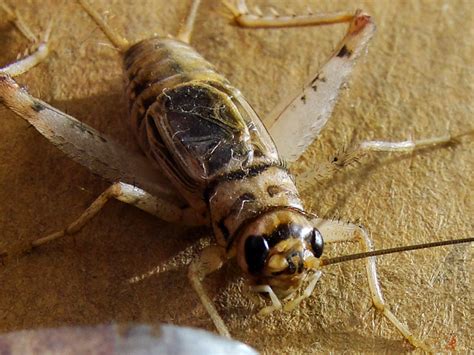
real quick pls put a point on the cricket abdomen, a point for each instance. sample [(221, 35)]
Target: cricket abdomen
[(157, 64), (189, 120)]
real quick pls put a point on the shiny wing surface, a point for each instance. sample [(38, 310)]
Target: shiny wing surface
[(201, 130)]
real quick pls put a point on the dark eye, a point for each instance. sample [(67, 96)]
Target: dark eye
[(317, 243), (256, 252)]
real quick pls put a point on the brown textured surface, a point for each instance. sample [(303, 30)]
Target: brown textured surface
[(416, 80)]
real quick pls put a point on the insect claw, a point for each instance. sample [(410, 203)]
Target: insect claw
[(290, 306), (229, 14), (265, 311)]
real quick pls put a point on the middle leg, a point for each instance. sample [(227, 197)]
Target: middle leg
[(210, 260), (355, 154), (129, 194)]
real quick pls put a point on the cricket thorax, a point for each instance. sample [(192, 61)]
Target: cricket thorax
[(258, 217), (236, 198)]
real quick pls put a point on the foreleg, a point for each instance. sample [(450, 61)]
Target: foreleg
[(334, 232), (211, 259)]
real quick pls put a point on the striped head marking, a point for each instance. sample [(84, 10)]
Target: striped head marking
[(278, 248)]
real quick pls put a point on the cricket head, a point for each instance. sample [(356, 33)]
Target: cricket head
[(278, 249)]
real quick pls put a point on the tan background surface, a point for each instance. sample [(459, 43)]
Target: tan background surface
[(416, 80)]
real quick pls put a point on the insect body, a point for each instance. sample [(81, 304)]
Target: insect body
[(202, 132), (224, 166)]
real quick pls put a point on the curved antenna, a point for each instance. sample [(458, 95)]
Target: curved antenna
[(344, 258), (119, 42)]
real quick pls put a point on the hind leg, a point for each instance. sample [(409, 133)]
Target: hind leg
[(245, 18), (305, 112)]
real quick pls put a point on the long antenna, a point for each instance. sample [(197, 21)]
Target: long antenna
[(341, 259)]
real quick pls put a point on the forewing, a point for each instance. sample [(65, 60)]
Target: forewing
[(200, 130), (84, 144), (294, 125)]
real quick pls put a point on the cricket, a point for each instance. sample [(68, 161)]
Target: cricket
[(207, 160)]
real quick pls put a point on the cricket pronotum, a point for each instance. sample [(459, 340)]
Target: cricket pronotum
[(374, 202)]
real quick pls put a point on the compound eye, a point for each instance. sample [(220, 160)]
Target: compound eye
[(256, 252), (317, 243)]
